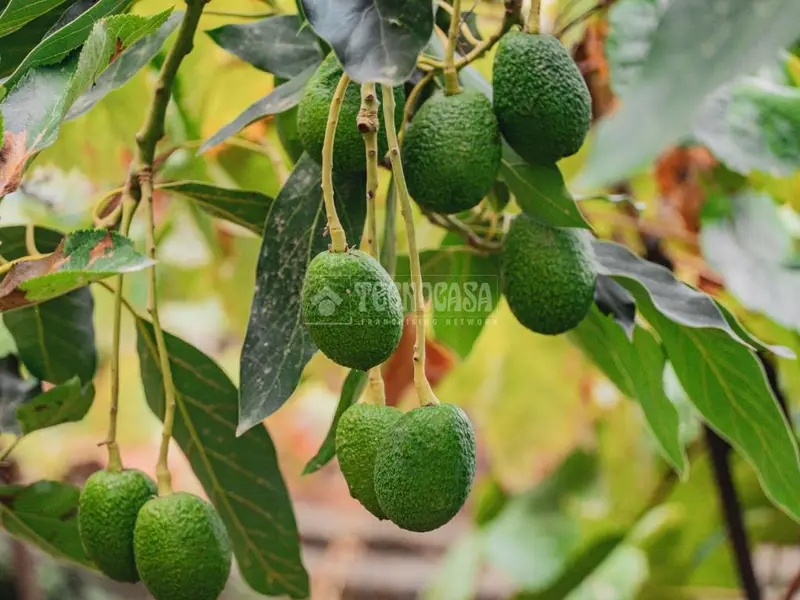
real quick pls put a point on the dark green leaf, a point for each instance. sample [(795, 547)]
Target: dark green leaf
[(17, 45), (351, 391), (12, 241), (703, 49), (375, 40), (14, 390), (19, 12), (240, 476), (243, 207), (277, 345), (56, 339), (45, 514), (614, 300), (282, 98), (751, 339), (65, 403), (276, 45)]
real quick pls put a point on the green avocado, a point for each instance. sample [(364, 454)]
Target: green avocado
[(359, 434), (451, 152), (182, 549), (349, 154), (352, 308), (107, 511), (540, 98), (286, 128), (548, 275), (425, 467)]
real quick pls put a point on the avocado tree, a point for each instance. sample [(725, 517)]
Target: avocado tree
[(525, 138)]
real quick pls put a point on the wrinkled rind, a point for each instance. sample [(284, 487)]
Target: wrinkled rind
[(425, 468), (452, 151), (540, 97), (108, 507), (361, 431), (182, 549), (349, 154), (358, 334), (548, 275)]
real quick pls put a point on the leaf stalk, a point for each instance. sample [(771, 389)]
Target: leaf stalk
[(338, 238)]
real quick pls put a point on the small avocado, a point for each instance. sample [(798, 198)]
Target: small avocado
[(425, 467), (352, 308), (548, 275), (451, 152), (349, 154), (107, 511), (182, 549), (360, 431), (540, 98)]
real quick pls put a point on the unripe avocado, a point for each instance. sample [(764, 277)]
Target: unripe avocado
[(548, 275), (360, 432), (425, 467), (451, 152), (312, 116), (107, 511), (182, 549), (352, 308), (540, 98)]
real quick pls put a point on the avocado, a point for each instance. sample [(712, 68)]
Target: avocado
[(451, 152), (359, 434), (349, 154), (182, 549), (352, 308), (425, 467), (540, 98), (107, 510), (286, 128), (548, 275)]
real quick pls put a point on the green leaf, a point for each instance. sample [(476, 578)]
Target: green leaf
[(277, 345), (240, 476), (19, 12), (17, 45), (457, 577), (66, 403), (45, 514), (276, 45), (621, 576), (12, 241), (636, 367), (243, 207), (14, 390), (540, 191), (720, 373), (614, 300), (703, 49), (56, 339), (351, 391), (375, 40), (632, 25)]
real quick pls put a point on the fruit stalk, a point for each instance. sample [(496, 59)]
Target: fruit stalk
[(338, 239), (534, 17), (369, 124), (424, 391), (451, 86)]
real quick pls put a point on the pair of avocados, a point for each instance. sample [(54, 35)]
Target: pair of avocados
[(176, 544)]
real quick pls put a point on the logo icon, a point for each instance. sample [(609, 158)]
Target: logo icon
[(326, 301)]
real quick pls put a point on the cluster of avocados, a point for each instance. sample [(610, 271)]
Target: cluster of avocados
[(176, 543)]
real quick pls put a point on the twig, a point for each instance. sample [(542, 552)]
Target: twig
[(534, 17), (451, 86), (238, 15), (411, 102), (466, 32), (579, 19), (338, 238), (30, 240), (451, 223)]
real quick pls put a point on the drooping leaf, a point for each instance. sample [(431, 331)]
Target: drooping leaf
[(243, 207), (14, 390), (636, 367), (45, 514), (375, 40), (351, 391), (276, 44), (614, 300), (65, 403), (540, 191), (19, 12), (277, 345), (703, 49), (282, 98), (241, 476), (56, 339)]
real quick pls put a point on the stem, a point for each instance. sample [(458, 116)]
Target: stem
[(512, 17), (30, 240), (411, 101), (451, 86), (338, 239), (424, 391), (534, 17), (466, 32)]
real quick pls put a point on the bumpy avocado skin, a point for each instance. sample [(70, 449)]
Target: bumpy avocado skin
[(108, 507), (451, 152), (548, 275), (425, 467), (349, 154), (352, 308), (182, 549), (540, 98), (360, 432)]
